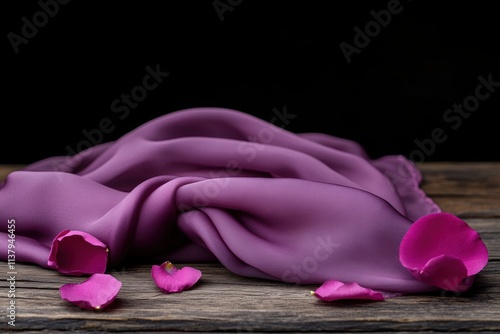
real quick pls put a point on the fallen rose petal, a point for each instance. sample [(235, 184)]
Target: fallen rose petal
[(442, 250), (97, 292), (78, 253), (170, 279), (336, 290)]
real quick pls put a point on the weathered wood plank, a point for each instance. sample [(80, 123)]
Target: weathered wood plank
[(470, 207), (224, 302), (481, 179), (467, 190)]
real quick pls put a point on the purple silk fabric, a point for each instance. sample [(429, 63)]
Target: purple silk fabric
[(213, 184)]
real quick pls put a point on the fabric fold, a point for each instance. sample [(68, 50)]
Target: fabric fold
[(210, 183)]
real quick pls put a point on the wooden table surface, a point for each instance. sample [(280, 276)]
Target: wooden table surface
[(224, 302)]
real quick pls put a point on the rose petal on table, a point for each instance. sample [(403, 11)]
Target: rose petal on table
[(170, 279), (442, 250), (336, 290), (95, 293), (78, 253)]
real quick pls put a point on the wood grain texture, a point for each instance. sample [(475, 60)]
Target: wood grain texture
[(224, 302)]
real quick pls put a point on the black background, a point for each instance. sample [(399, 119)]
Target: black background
[(262, 55)]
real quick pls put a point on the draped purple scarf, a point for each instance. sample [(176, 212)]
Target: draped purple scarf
[(213, 184)]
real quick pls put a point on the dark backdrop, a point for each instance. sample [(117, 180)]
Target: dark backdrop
[(64, 69)]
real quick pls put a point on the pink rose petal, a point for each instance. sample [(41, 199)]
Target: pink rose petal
[(442, 250), (336, 290), (170, 279), (78, 253), (97, 292)]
